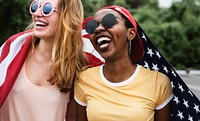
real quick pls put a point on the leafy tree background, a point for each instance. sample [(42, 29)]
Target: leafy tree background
[(175, 31), (14, 17)]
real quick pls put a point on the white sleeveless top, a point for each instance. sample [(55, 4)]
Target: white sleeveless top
[(29, 102)]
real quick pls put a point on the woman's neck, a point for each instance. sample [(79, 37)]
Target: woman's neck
[(44, 50), (118, 71)]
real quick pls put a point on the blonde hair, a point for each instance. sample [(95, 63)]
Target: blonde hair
[(68, 58)]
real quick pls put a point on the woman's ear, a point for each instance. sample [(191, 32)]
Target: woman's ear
[(131, 34)]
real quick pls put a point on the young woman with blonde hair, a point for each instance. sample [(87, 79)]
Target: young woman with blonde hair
[(38, 66)]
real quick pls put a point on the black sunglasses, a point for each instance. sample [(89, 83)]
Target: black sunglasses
[(107, 22)]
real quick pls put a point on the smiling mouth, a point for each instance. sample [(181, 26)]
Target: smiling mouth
[(103, 42), (40, 24)]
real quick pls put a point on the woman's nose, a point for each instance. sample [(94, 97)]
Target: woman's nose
[(99, 28), (38, 12)]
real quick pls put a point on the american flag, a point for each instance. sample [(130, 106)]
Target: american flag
[(185, 105), (12, 56)]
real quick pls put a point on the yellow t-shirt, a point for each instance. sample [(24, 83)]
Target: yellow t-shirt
[(134, 99)]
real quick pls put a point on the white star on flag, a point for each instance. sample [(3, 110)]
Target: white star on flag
[(150, 52), (190, 118), (181, 87), (158, 54), (146, 65), (196, 107), (186, 103), (180, 114), (176, 99), (165, 69), (155, 67)]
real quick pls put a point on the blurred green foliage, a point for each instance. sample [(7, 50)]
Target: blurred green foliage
[(14, 17), (175, 31)]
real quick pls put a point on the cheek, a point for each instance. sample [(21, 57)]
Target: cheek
[(54, 21), (53, 18), (91, 37), (121, 34)]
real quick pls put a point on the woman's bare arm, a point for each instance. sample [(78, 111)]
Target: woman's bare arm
[(71, 109), (81, 113), (163, 114)]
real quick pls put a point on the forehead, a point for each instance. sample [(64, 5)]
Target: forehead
[(100, 14), (55, 2)]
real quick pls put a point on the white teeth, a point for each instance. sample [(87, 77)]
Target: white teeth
[(103, 39), (103, 46), (39, 23)]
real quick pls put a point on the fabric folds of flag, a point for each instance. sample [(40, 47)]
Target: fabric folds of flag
[(12, 56)]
